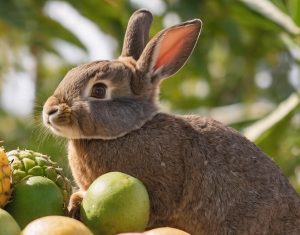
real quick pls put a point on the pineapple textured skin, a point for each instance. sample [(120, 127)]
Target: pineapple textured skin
[(26, 163)]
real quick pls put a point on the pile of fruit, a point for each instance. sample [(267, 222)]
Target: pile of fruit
[(34, 194)]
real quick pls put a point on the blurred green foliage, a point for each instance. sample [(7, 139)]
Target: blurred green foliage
[(240, 41)]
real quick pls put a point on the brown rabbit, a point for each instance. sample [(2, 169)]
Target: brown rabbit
[(202, 177)]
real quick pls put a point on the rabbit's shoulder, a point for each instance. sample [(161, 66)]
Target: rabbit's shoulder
[(216, 132), (192, 125)]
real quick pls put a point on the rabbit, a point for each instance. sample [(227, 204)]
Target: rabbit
[(202, 177)]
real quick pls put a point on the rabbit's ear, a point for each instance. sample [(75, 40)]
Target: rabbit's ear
[(168, 51), (137, 34)]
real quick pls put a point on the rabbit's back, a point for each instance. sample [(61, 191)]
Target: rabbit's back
[(240, 185), (201, 176)]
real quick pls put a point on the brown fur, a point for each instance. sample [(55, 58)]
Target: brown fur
[(201, 176)]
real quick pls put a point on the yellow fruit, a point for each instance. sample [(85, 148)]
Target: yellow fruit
[(33, 198), (8, 226), (56, 225), (5, 175), (115, 203), (130, 234), (165, 231)]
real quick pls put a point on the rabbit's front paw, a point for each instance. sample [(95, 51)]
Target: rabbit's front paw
[(74, 204)]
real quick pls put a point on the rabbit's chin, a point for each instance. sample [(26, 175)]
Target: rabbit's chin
[(68, 133), (71, 133)]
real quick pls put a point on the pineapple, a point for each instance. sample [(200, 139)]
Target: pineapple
[(5, 176), (25, 163)]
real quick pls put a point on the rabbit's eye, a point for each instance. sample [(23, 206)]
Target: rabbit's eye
[(99, 91)]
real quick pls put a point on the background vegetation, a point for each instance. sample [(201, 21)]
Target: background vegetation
[(244, 71)]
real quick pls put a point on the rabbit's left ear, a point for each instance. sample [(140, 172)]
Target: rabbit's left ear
[(168, 51), (136, 35)]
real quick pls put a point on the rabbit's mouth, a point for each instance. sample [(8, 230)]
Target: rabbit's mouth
[(62, 130), (57, 115), (50, 121), (58, 119)]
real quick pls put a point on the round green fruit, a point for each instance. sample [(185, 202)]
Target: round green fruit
[(8, 226), (115, 203), (25, 163), (56, 225), (33, 198)]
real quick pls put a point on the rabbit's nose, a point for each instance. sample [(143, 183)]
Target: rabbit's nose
[(52, 111), (49, 113)]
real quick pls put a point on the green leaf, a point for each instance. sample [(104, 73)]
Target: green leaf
[(38, 29), (294, 7), (258, 131), (111, 16), (270, 11), (51, 29)]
